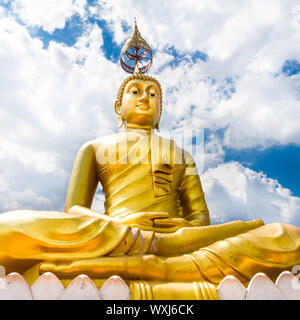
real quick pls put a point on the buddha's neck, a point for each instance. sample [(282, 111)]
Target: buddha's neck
[(140, 129)]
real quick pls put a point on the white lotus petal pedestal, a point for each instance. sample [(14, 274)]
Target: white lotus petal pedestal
[(49, 287), (231, 289), (115, 288), (289, 285), (81, 288), (14, 287), (262, 288)]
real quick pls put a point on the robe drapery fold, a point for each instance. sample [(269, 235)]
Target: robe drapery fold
[(151, 174), (71, 244), (27, 237), (271, 249)]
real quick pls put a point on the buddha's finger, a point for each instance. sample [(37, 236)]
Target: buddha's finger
[(166, 223), (142, 226), (168, 229), (156, 215), (172, 222)]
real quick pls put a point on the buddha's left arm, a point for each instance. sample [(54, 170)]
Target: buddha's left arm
[(191, 195)]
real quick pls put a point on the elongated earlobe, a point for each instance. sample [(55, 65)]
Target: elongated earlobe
[(118, 113), (120, 122), (117, 108), (157, 125)]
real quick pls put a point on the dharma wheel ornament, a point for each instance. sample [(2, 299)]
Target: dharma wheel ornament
[(136, 55)]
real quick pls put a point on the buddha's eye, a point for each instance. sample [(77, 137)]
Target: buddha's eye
[(152, 94), (134, 91)]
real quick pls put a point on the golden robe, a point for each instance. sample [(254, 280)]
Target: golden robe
[(188, 263), (144, 174)]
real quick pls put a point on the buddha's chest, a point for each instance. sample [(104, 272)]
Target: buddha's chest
[(160, 175), (144, 161)]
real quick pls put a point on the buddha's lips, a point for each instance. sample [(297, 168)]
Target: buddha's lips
[(143, 107)]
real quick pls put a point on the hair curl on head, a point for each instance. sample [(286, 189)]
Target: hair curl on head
[(142, 77)]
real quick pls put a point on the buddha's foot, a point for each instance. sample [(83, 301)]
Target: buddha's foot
[(128, 267)]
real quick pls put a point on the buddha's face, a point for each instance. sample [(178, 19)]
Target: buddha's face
[(140, 106)]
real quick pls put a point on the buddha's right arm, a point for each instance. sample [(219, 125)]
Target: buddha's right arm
[(83, 183)]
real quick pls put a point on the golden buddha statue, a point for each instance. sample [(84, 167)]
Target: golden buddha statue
[(155, 230)]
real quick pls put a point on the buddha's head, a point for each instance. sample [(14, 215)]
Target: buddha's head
[(139, 102)]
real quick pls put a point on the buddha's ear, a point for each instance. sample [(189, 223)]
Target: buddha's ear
[(117, 108), (157, 124), (118, 113)]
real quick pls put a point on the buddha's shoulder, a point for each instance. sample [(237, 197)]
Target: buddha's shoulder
[(173, 144), (105, 141)]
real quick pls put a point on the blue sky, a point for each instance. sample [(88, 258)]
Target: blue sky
[(230, 71), (278, 162)]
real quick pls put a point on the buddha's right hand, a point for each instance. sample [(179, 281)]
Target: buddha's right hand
[(143, 220)]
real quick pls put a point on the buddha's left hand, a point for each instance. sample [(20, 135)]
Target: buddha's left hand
[(155, 221), (171, 224), (143, 220)]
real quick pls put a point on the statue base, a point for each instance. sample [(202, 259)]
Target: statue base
[(49, 287)]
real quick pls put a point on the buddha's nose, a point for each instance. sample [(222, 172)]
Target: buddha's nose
[(144, 97)]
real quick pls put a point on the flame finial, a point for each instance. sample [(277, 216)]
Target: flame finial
[(136, 55)]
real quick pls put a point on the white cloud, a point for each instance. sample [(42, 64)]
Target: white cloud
[(11, 199), (55, 99), (49, 15), (264, 111), (43, 161), (234, 192), (247, 40), (52, 101)]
